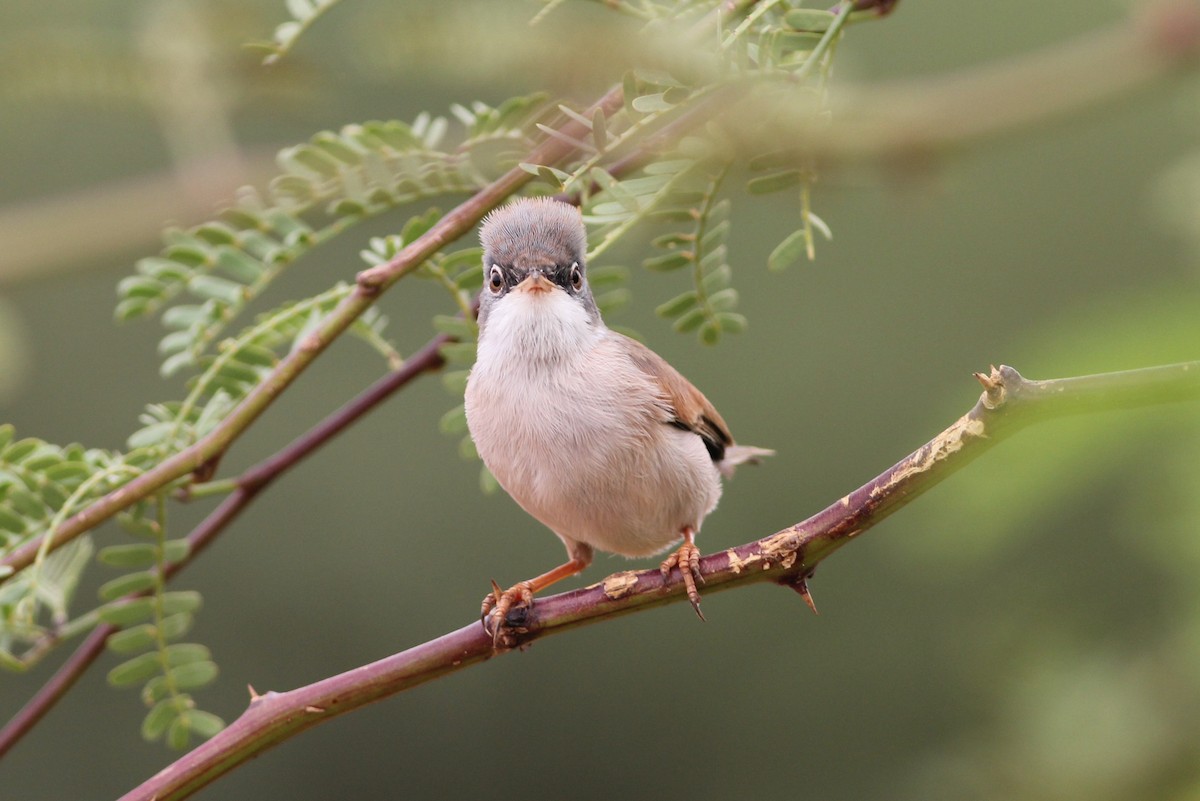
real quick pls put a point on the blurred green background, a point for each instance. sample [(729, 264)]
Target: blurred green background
[(1028, 630)]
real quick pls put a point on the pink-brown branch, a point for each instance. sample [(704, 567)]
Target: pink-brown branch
[(787, 557)]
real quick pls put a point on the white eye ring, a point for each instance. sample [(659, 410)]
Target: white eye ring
[(576, 276), (495, 279)]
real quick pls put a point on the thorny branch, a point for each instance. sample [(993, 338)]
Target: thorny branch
[(788, 557)]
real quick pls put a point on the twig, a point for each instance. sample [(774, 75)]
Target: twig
[(788, 557)]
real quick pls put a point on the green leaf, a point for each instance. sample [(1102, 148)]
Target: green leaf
[(220, 289), (11, 522), (216, 233), (194, 675), (239, 265), (185, 653), (155, 690), (732, 322), (454, 421), (164, 270), (140, 286), (668, 261), (774, 182), (181, 601), (677, 305), (717, 279), (135, 671), (69, 472), (690, 321), (127, 585), (175, 626), (463, 259), (127, 613), (239, 373), (724, 300), (176, 550), (54, 496), (205, 724), (151, 435), (788, 252), (139, 526), (257, 355), (612, 300), (454, 326), (599, 131), (458, 352), (142, 554), (710, 332), (132, 640), (158, 719), (455, 381), (715, 236), (556, 178), (17, 451), (7, 432), (131, 308), (610, 275), (648, 104), (469, 280), (178, 733), (26, 503)]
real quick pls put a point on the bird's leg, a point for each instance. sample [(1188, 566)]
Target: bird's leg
[(687, 559), (498, 603)]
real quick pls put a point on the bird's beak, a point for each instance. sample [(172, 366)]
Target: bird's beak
[(535, 283)]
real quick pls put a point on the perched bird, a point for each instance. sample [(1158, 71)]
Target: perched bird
[(591, 432)]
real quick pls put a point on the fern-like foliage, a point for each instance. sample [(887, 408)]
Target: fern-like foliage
[(208, 276), (167, 669), (40, 486)]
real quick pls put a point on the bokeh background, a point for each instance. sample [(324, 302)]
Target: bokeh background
[(1028, 630)]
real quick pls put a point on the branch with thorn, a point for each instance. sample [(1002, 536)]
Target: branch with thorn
[(788, 557)]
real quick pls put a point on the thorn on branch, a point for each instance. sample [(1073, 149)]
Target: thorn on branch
[(207, 470), (993, 387), (799, 583)]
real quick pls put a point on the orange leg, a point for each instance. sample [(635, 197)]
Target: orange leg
[(497, 603), (687, 559)]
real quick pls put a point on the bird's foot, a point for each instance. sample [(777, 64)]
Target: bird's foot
[(687, 559), (496, 606)]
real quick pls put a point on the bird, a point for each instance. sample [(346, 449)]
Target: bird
[(592, 433)]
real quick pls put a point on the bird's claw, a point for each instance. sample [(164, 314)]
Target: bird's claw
[(493, 614), (687, 559)]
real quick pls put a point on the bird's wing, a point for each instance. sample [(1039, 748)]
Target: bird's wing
[(690, 410)]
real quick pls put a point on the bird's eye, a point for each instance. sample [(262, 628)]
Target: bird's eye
[(576, 277), (496, 279)]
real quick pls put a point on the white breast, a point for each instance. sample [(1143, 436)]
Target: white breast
[(578, 435)]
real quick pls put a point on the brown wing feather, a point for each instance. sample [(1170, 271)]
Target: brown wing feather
[(691, 410)]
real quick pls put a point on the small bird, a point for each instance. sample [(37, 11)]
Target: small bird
[(591, 432)]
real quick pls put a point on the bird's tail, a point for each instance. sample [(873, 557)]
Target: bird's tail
[(741, 454)]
